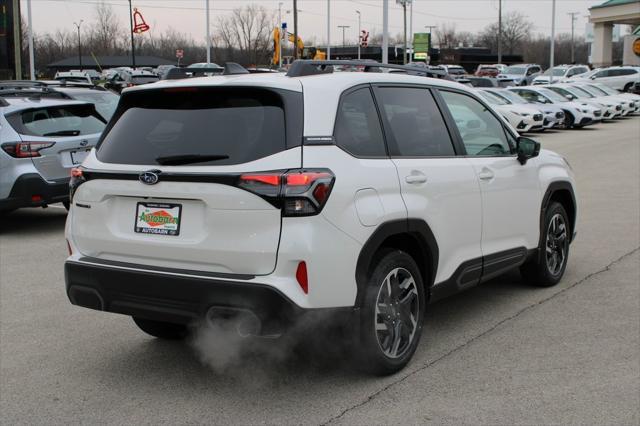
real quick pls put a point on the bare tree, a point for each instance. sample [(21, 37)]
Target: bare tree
[(447, 36), (106, 30), (247, 29), (516, 29)]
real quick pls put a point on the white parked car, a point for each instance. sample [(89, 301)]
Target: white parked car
[(73, 76), (629, 101), (553, 115), (627, 105), (619, 78), (577, 114), (610, 109), (353, 197), (560, 74), (524, 118)]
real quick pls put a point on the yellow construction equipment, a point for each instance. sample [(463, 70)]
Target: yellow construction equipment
[(303, 53)]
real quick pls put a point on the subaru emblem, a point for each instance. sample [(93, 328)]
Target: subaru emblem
[(149, 178)]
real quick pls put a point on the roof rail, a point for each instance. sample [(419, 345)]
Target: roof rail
[(11, 84), (230, 68), (301, 68)]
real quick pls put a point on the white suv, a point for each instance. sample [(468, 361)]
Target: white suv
[(351, 196), (619, 78)]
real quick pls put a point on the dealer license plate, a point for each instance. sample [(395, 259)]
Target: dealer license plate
[(158, 218)]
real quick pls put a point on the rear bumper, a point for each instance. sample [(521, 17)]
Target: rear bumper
[(31, 185), (182, 298)]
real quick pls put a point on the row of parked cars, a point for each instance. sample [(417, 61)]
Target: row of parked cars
[(48, 127)]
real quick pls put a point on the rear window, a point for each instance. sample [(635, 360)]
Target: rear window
[(71, 120), (220, 125)]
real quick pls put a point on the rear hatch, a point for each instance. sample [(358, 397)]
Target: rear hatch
[(57, 137), (163, 188)]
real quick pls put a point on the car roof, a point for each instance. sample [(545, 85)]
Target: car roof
[(19, 103)]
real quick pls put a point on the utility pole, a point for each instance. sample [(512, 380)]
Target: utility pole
[(77, 24), (411, 28), (573, 21), (385, 31), (553, 38), (430, 32), (344, 27), (499, 31), (328, 29), (133, 47), (403, 3), (208, 36), (281, 35), (295, 29), (17, 40), (32, 69), (359, 33)]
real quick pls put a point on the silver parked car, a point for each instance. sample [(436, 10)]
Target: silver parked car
[(41, 139)]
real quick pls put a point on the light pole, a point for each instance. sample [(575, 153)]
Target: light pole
[(553, 38), (328, 29), (430, 28), (208, 35), (281, 35), (32, 69), (385, 31), (359, 33), (77, 24), (295, 29), (573, 21), (133, 47), (344, 27), (499, 31), (403, 3)]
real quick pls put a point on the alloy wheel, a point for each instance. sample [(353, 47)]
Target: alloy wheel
[(556, 244)]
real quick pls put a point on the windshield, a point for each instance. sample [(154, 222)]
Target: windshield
[(557, 72), (67, 120), (552, 95), (581, 92), (105, 102), (492, 99), (607, 89), (593, 91), (143, 79), (515, 70), (456, 70), (227, 126), (510, 96)]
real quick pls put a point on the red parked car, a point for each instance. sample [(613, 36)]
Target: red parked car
[(487, 71)]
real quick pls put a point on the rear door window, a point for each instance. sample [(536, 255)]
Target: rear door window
[(225, 125), (68, 120), (358, 129), (416, 126)]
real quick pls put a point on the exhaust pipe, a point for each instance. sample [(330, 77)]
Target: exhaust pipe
[(241, 321)]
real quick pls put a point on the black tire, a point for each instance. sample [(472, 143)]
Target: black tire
[(542, 271), (162, 330), (569, 120), (66, 205), (370, 354), (627, 87)]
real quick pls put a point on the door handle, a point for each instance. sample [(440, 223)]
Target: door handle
[(415, 178), (486, 174)]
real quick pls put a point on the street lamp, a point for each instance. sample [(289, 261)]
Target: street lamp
[(77, 24), (404, 3), (281, 35), (359, 33), (344, 27)]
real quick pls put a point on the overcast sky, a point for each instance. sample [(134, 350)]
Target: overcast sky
[(188, 15)]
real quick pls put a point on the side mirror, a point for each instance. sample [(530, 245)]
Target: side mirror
[(571, 97), (526, 149), (593, 77)]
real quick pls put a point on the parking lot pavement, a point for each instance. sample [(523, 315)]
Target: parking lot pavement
[(501, 353)]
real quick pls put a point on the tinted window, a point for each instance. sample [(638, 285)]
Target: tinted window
[(417, 128), (358, 128), (72, 120), (627, 72), (482, 132), (241, 124)]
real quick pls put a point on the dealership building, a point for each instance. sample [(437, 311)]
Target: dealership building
[(603, 17)]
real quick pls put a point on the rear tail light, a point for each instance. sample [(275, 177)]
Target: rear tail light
[(302, 278), (77, 179), (25, 149), (297, 192)]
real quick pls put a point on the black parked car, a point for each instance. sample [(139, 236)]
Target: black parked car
[(124, 79)]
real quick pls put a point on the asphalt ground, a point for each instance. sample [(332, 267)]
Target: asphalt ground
[(501, 353)]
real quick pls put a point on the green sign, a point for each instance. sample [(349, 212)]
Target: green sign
[(421, 43), (420, 56)]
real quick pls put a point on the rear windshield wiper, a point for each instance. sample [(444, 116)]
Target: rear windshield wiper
[(179, 160), (63, 133)]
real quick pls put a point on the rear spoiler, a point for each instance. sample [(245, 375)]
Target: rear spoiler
[(230, 68)]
